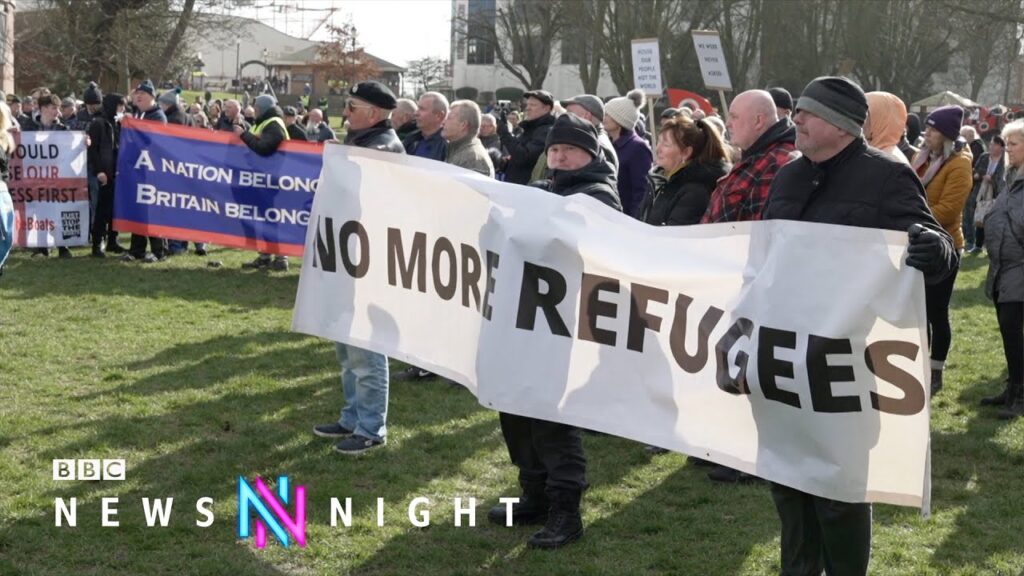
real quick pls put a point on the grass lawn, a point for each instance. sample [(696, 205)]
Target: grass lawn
[(192, 375)]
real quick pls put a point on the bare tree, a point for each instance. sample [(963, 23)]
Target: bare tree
[(581, 34), (66, 43), (426, 71), (521, 37)]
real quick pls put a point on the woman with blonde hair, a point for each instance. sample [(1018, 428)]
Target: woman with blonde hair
[(944, 166), (6, 204), (1004, 242)]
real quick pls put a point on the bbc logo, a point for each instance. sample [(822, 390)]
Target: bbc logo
[(85, 469)]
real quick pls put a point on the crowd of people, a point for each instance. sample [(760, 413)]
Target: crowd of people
[(833, 155)]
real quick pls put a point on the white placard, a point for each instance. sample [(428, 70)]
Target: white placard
[(711, 56), (647, 66)]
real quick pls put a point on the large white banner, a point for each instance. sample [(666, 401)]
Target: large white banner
[(789, 350), (50, 189)]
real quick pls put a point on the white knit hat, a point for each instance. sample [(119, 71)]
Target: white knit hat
[(623, 111)]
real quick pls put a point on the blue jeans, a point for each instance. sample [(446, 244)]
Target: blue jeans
[(180, 246), (364, 380)]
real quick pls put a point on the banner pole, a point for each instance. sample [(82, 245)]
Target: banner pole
[(725, 107)]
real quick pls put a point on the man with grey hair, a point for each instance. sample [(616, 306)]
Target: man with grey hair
[(403, 118), (316, 129), (591, 109), (489, 132), (431, 111), (231, 117), (460, 129)]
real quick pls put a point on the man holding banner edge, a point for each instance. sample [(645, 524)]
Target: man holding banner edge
[(840, 180)]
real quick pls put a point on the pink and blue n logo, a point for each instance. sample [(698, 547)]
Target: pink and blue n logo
[(271, 511)]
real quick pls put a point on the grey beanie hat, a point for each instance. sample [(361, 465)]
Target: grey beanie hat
[(263, 103)]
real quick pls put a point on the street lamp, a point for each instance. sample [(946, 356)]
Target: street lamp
[(238, 66)]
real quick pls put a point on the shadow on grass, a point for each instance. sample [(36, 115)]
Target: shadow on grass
[(187, 449), (683, 525), (176, 278), (975, 472)]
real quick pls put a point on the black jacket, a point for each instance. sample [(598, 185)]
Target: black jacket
[(176, 115), (380, 136), (524, 150), (682, 199), (272, 135), (225, 125), (596, 179), (859, 186), (103, 138), (407, 131), (295, 132), (154, 113)]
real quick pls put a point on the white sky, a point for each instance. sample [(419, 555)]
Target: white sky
[(395, 30)]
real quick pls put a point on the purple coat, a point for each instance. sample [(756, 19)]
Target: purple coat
[(635, 160)]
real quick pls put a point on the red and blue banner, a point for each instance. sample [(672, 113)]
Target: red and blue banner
[(201, 186)]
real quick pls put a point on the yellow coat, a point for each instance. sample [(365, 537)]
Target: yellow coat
[(948, 192)]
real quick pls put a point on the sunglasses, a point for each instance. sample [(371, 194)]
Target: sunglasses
[(352, 107)]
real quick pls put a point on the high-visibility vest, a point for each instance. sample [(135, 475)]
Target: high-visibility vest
[(259, 127)]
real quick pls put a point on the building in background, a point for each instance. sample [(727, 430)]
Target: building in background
[(249, 49), (477, 73)]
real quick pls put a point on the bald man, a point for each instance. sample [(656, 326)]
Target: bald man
[(767, 144)]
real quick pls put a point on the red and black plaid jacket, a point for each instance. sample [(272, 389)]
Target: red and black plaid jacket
[(741, 194)]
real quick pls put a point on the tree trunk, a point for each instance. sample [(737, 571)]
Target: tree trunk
[(172, 44)]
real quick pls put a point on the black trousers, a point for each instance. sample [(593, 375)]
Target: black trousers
[(821, 534), (1011, 326), (937, 297), (102, 222), (137, 248), (549, 455)]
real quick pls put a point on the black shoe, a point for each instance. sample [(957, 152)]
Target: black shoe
[(1014, 405), (936, 382), (200, 251), (528, 511), (259, 263), (999, 399), (564, 526), (357, 445), (1012, 411), (63, 252), (279, 265), (97, 252), (413, 374), (333, 430), (115, 248), (655, 450), (727, 475)]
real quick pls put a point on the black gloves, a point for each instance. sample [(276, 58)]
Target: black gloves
[(928, 250)]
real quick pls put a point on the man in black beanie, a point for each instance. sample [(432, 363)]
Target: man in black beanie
[(783, 101), (840, 180), (549, 455)]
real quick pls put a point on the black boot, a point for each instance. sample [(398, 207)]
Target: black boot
[(999, 399), (936, 381), (1014, 404), (531, 509), (564, 525)]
